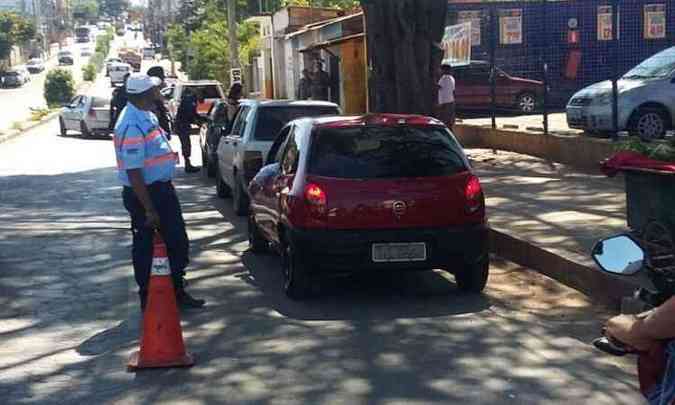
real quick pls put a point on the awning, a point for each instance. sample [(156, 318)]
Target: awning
[(321, 24), (332, 42)]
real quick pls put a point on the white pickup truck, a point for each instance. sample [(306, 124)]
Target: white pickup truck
[(87, 115)]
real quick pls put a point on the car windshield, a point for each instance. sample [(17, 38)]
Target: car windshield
[(272, 119), (99, 102), (385, 152), (208, 91), (660, 65)]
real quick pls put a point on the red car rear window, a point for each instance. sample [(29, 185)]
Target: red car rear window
[(385, 152)]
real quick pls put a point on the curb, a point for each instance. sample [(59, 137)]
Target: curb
[(577, 271), (33, 125)]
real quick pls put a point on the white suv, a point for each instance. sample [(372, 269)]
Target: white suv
[(250, 136)]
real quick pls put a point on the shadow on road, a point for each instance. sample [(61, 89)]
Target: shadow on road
[(69, 320)]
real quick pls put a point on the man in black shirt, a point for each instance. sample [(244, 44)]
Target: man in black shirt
[(118, 102), (185, 117), (159, 108)]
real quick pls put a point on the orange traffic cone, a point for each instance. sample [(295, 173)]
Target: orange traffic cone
[(162, 338)]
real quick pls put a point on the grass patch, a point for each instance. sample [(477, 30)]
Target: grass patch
[(17, 126), (39, 113)]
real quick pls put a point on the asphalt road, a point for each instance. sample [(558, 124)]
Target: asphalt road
[(69, 312)]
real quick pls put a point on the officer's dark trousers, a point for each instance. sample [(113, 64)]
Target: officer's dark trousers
[(172, 229), (183, 133)]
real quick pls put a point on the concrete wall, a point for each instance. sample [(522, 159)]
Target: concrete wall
[(577, 151)]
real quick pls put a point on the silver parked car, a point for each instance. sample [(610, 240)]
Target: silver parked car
[(87, 115), (646, 100)]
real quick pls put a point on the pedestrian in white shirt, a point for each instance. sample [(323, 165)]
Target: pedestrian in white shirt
[(446, 97)]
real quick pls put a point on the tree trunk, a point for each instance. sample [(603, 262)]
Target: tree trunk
[(404, 53), (232, 28)]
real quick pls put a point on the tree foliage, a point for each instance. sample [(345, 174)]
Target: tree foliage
[(113, 8), (86, 10), (59, 87), (200, 39), (341, 4), (14, 30)]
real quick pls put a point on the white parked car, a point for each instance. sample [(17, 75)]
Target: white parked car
[(87, 115), (646, 100), (210, 90), (35, 65), (241, 152), (117, 71)]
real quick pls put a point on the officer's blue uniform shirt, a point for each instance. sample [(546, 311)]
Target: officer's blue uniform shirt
[(140, 143)]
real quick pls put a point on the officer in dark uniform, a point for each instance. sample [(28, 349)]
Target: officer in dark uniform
[(146, 166), (185, 116), (159, 109), (118, 102)]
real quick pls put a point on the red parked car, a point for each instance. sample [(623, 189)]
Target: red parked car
[(472, 89), (378, 192)]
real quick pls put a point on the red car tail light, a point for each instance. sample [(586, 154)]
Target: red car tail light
[(315, 196), (473, 192)]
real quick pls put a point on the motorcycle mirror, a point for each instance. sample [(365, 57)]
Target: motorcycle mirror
[(619, 255)]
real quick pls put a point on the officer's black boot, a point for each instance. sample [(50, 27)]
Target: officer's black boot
[(184, 299), (189, 168)]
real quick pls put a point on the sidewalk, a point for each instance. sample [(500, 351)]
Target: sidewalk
[(548, 216), (557, 122)]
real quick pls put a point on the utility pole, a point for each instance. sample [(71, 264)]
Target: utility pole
[(232, 27)]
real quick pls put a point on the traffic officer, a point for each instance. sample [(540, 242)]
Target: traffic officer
[(146, 166)]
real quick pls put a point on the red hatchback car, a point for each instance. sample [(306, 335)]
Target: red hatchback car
[(378, 192)]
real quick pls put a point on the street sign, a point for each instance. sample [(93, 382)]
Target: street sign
[(235, 75)]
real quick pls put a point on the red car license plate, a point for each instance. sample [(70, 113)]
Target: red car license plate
[(399, 252)]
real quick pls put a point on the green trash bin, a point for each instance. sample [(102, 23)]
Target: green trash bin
[(650, 195)]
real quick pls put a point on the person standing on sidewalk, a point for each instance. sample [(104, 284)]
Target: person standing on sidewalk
[(160, 109), (446, 97), (117, 102), (320, 82), (146, 165), (185, 116), (233, 97), (305, 86)]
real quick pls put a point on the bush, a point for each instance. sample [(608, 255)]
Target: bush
[(59, 87), (89, 72)]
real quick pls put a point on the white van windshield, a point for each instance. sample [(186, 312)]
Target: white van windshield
[(660, 65)]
